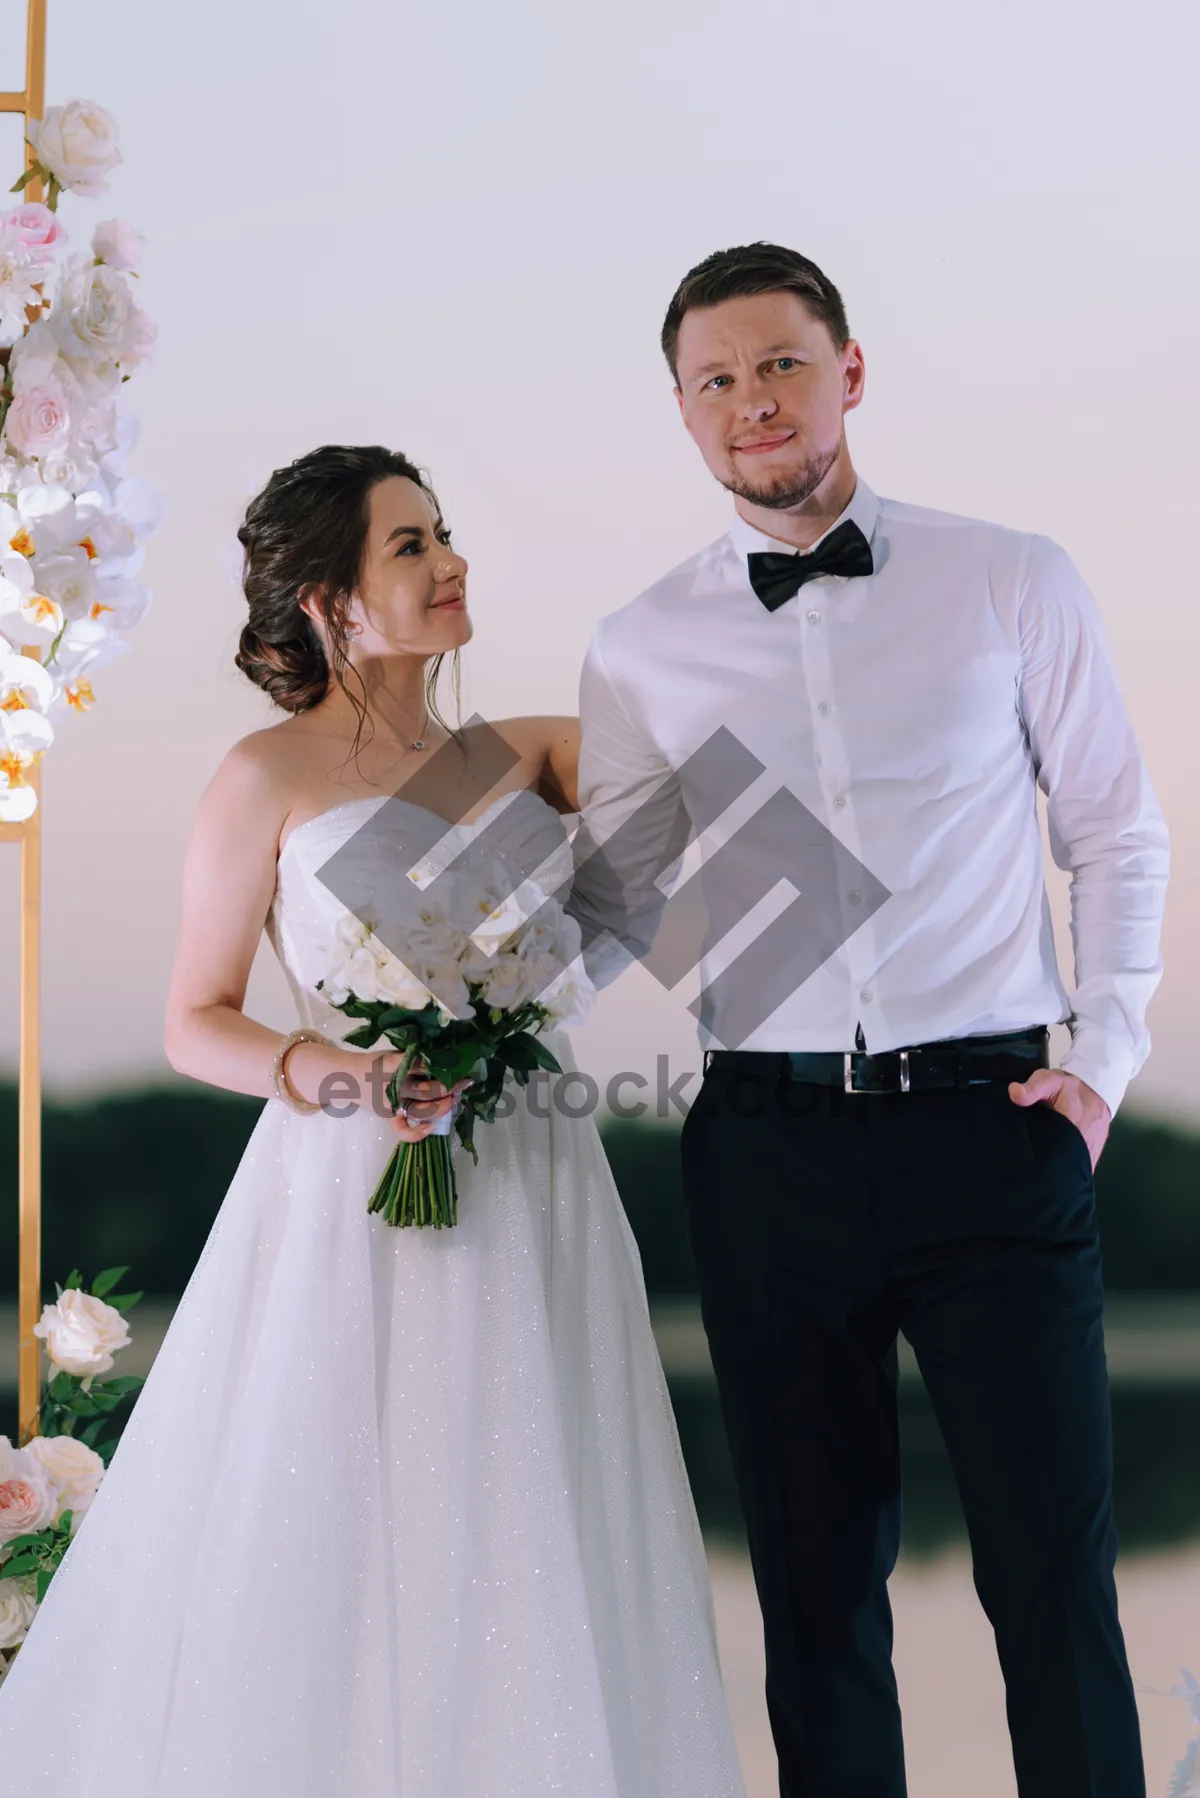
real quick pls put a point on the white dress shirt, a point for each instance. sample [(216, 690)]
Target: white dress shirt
[(911, 711)]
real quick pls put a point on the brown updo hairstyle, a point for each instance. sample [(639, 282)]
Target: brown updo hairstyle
[(307, 531)]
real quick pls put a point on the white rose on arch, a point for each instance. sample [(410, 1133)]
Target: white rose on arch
[(74, 1469), (18, 1603), (118, 244), (76, 147), (95, 319), (82, 1333)]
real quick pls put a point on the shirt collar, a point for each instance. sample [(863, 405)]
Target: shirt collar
[(863, 508)]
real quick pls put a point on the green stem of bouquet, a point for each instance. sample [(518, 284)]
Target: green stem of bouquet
[(418, 1185)]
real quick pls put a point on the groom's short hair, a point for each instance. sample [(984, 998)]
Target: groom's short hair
[(749, 269)]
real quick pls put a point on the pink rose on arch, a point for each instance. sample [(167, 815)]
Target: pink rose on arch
[(38, 421), (25, 1504), (38, 229)]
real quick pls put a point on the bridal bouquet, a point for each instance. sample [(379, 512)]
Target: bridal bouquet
[(73, 523), (47, 1486), (463, 1002)]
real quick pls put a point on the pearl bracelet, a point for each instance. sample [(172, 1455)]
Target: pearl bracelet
[(279, 1068)]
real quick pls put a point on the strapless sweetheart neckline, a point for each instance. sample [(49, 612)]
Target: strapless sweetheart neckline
[(379, 801)]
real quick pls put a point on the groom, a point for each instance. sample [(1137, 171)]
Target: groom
[(879, 1143)]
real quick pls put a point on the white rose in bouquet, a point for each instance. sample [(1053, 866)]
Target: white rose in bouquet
[(18, 1603), (509, 982), (118, 244), (82, 1333), (74, 1470), (77, 145), (398, 985)]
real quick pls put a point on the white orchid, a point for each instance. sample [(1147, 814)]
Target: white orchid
[(65, 577), (20, 273), (18, 800), (73, 522)]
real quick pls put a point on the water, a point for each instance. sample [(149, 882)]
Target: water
[(952, 1697)]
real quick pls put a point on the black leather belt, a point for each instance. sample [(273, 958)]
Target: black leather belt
[(953, 1061)]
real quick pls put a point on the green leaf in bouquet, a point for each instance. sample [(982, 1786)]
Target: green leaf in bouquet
[(45, 1575), (524, 1053), (544, 1057), (106, 1449), (74, 1281), (397, 1016), (107, 1280), (80, 1404), (94, 1428), (362, 1039), (62, 1386), (124, 1301)]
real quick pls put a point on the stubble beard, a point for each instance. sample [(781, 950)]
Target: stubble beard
[(789, 488)]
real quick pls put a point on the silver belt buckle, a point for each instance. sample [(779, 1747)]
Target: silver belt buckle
[(848, 1073)]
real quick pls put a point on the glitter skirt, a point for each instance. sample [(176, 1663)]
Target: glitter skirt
[(398, 1512)]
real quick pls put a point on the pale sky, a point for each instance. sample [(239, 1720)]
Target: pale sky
[(455, 227)]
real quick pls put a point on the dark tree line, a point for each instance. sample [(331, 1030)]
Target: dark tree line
[(138, 1177)]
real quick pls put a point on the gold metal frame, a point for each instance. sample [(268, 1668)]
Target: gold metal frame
[(31, 103)]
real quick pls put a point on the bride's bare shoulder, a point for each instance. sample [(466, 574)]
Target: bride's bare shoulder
[(253, 780), (536, 732)]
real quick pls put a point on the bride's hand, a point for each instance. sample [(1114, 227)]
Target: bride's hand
[(430, 1099)]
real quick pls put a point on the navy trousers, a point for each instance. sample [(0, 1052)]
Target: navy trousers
[(822, 1224)]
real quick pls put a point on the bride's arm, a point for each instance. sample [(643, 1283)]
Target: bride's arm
[(228, 884), (559, 780)]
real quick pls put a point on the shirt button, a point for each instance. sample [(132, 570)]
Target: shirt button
[(824, 708), (854, 897), (813, 617), (839, 802), (866, 995)]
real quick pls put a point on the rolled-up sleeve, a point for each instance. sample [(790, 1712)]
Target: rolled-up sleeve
[(1105, 825)]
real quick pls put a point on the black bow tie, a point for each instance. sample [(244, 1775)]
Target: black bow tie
[(776, 577)]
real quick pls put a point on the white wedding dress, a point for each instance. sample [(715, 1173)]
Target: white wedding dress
[(399, 1513)]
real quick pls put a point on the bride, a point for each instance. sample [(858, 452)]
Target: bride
[(398, 1512)]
